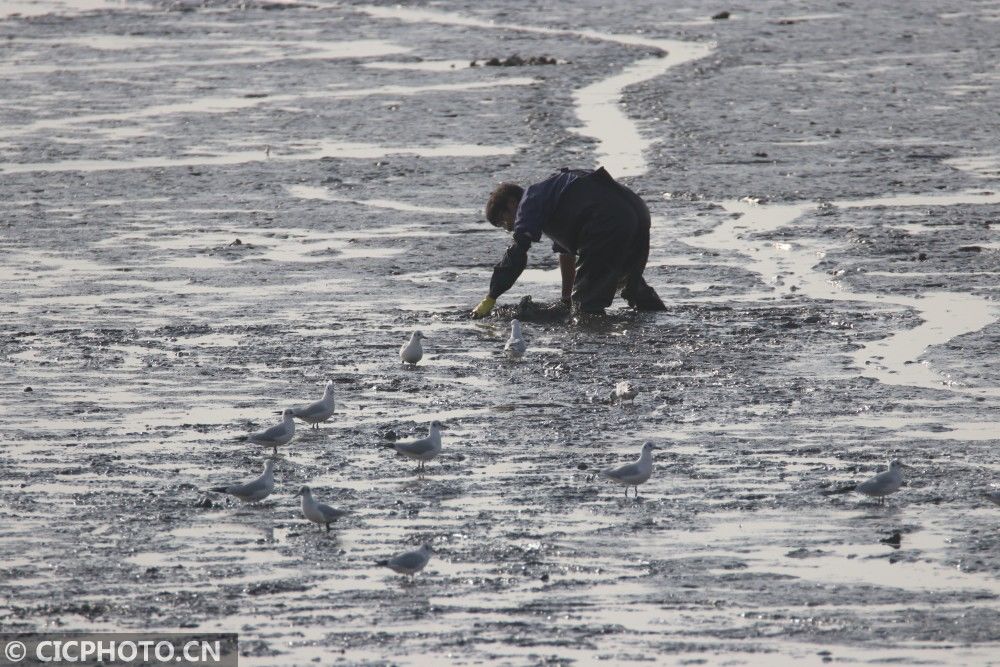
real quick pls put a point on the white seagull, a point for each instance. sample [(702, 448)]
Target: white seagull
[(883, 483), (515, 346), (411, 352), (277, 435), (320, 411), (251, 492), (409, 562), (633, 474), (425, 449), (318, 513), (624, 391)]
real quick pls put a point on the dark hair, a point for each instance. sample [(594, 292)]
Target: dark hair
[(500, 200)]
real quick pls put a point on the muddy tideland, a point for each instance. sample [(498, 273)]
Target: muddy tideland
[(209, 209)]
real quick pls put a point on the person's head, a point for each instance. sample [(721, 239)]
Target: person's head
[(502, 205)]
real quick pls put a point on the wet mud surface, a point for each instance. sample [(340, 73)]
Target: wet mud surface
[(209, 209)]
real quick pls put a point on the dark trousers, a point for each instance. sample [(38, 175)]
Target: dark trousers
[(612, 243)]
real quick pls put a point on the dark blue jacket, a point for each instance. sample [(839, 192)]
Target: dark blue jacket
[(538, 205), (534, 212)]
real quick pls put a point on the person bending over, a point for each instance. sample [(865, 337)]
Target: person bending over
[(598, 226)]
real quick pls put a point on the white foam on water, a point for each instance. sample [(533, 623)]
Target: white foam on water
[(983, 166), (216, 105), (324, 194), (28, 8), (328, 149), (421, 66), (98, 42), (437, 87), (206, 105), (262, 52)]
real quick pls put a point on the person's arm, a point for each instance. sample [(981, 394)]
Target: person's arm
[(567, 266), (505, 274), (532, 212)]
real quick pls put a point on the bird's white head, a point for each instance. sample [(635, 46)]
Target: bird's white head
[(436, 425), (268, 465), (515, 327), (648, 447), (426, 547), (418, 335), (329, 387), (304, 491), (896, 464), (288, 413)]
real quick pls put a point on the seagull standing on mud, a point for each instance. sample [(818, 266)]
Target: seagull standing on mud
[(422, 450), (884, 483), (318, 513), (624, 391), (412, 352), (515, 347), (633, 474), (251, 492), (409, 562), (320, 411), (278, 435)]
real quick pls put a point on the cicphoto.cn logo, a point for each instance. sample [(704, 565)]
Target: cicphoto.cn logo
[(120, 649)]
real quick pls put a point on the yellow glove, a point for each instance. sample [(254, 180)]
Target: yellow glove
[(484, 308)]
